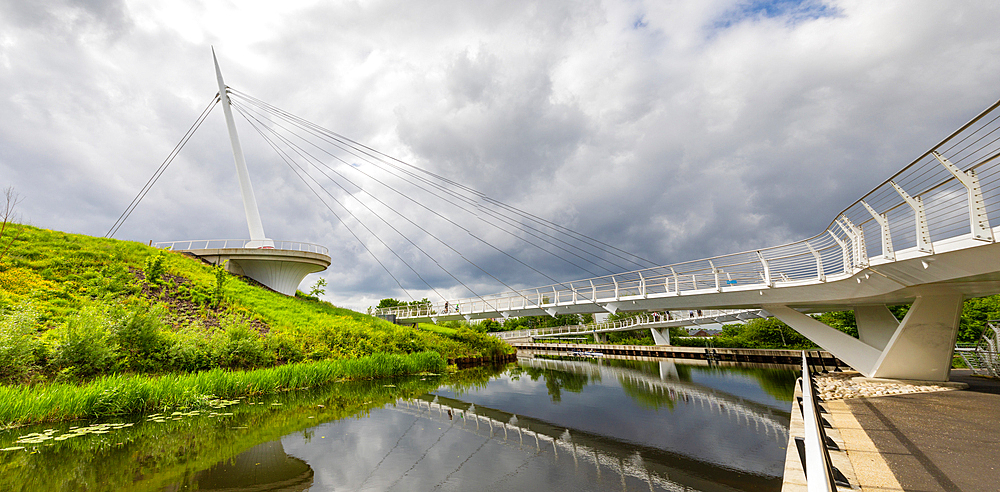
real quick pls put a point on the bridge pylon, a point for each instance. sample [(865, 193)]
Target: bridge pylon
[(279, 265)]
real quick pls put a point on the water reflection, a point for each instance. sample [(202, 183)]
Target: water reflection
[(264, 467), (538, 424)]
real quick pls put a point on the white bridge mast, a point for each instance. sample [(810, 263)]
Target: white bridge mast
[(257, 237)]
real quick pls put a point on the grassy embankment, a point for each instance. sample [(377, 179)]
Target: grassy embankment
[(74, 308)]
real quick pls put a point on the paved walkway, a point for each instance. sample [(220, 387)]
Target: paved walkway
[(938, 441)]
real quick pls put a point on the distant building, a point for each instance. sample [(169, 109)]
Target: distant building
[(702, 332)]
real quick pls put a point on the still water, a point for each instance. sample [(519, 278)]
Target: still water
[(538, 424)]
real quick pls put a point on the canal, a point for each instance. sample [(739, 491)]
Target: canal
[(542, 423)]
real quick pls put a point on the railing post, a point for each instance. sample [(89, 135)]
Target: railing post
[(977, 206), (715, 272), (848, 267), (767, 269), (677, 283), (642, 285), (593, 291), (613, 279), (883, 223), (820, 274), (920, 217), (857, 238)]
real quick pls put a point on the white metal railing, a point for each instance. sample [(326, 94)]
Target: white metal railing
[(950, 191), (984, 359), (192, 244), (666, 318), (815, 458)]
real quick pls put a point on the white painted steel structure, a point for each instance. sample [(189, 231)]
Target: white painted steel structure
[(279, 265), (657, 323), (257, 237), (924, 236), (192, 244), (984, 359)]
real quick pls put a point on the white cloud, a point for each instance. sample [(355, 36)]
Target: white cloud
[(673, 130)]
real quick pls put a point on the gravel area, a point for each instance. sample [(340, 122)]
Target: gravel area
[(842, 385)]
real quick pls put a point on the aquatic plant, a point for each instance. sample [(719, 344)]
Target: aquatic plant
[(120, 394)]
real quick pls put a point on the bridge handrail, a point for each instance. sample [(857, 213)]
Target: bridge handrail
[(816, 459), (642, 319), (950, 191), (192, 244)]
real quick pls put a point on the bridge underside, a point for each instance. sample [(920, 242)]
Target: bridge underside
[(279, 269)]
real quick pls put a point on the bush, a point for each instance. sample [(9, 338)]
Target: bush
[(489, 346), (240, 346), (154, 268), (17, 346), (81, 346), (766, 333), (189, 350), (138, 336)]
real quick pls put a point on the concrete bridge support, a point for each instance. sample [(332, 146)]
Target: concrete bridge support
[(661, 336), (919, 347)]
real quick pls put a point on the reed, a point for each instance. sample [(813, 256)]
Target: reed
[(119, 394)]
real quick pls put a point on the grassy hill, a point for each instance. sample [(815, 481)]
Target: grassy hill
[(74, 306)]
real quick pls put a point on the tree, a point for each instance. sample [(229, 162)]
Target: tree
[(390, 302), (317, 288), (7, 233)]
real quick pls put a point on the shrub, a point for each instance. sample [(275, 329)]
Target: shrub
[(488, 345), (240, 346), (139, 339), (17, 347), (81, 348), (284, 347), (220, 273), (189, 349), (154, 268)]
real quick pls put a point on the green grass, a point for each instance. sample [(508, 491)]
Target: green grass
[(144, 455), (74, 306), (127, 394), (443, 330)]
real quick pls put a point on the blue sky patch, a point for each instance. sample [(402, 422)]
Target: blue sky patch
[(794, 11)]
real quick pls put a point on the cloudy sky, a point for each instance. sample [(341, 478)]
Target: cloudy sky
[(672, 130)]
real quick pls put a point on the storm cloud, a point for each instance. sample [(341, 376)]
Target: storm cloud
[(673, 130)]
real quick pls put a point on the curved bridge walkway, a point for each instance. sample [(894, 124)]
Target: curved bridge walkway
[(925, 237), (657, 322)]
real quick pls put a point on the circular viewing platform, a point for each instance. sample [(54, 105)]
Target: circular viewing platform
[(279, 265)]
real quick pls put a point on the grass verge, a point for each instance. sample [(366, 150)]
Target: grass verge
[(126, 394)]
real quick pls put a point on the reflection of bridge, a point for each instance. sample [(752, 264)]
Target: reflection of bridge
[(668, 384), (924, 237), (658, 468), (657, 323)]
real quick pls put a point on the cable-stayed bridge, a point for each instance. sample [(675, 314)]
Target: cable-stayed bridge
[(925, 237), (658, 323)]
